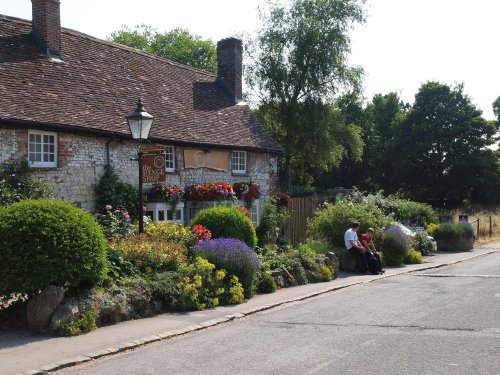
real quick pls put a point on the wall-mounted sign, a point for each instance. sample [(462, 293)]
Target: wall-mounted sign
[(153, 168), (218, 160)]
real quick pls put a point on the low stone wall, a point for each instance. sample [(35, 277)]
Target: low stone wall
[(459, 244)]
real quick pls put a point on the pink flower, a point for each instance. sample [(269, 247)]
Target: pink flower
[(126, 216), (108, 207), (117, 211)]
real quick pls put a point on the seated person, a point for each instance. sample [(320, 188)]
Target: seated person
[(353, 245), (366, 240)]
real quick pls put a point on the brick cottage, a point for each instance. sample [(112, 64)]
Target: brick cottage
[(64, 97)]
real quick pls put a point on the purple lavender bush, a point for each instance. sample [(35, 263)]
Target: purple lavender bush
[(395, 246), (234, 256)]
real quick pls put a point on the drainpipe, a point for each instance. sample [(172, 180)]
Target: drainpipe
[(107, 151)]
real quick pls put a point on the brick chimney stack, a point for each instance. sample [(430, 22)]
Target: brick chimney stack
[(230, 66), (46, 25)]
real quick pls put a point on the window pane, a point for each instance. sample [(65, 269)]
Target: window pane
[(38, 147), (38, 156), (51, 158)]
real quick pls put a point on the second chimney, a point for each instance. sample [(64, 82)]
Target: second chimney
[(46, 25), (230, 66)]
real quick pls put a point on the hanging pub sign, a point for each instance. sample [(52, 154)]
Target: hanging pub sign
[(153, 166)]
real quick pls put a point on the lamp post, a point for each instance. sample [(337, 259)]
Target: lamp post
[(140, 123)]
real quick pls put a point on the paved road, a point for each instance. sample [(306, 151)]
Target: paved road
[(444, 321)]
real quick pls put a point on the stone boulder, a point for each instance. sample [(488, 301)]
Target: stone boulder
[(65, 313), (351, 263), (41, 307), (278, 278), (333, 262)]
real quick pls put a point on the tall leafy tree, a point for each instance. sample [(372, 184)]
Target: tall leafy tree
[(299, 62), (496, 108), (377, 121), (440, 152), (496, 111), (177, 45)]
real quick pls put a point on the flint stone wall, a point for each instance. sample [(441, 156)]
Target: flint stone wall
[(82, 158)]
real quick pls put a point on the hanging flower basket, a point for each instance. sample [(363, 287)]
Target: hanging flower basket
[(247, 192), (209, 191), (172, 194)]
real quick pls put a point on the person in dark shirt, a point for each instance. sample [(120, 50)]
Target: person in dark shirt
[(366, 240)]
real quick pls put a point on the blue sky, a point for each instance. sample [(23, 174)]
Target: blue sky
[(403, 44)]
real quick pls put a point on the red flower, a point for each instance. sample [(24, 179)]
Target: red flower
[(244, 210), (201, 232)]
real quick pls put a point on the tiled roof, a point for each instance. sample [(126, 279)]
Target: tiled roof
[(98, 84)]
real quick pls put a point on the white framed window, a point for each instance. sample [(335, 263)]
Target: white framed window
[(42, 149), (255, 213), (170, 159), (239, 162)]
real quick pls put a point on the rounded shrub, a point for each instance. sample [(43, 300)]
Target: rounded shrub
[(414, 257), (227, 222), (450, 231), (267, 284), (422, 243), (395, 246), (455, 237), (49, 242)]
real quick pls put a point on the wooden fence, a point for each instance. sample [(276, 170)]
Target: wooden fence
[(302, 209)]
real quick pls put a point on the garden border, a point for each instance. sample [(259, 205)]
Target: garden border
[(65, 363)]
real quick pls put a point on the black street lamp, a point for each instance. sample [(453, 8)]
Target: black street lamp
[(140, 123)]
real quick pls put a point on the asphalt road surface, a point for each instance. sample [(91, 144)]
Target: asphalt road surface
[(444, 321)]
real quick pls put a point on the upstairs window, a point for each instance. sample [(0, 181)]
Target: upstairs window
[(169, 159), (239, 162), (42, 149)]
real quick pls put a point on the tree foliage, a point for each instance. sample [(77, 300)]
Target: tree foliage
[(177, 45), (299, 62), (436, 150), (496, 108), (440, 150)]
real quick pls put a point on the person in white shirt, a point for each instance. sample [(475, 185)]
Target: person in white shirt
[(353, 245)]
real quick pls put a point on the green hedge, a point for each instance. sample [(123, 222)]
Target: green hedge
[(395, 249), (331, 223), (227, 222), (49, 242), (422, 213), (449, 231)]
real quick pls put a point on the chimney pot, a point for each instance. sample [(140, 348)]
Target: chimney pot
[(230, 66), (46, 25)]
